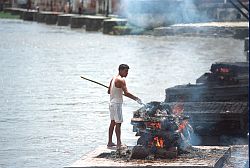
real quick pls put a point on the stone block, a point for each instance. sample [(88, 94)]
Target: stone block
[(51, 18), (40, 18), (108, 24), (78, 21), (29, 15), (64, 19), (94, 23)]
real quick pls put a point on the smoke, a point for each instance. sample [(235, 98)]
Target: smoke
[(231, 140), (195, 139), (155, 13)]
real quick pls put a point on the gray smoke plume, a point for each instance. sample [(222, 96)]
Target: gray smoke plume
[(156, 13)]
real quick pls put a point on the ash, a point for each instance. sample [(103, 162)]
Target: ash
[(126, 154)]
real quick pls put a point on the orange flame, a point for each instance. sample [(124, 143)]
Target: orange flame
[(154, 125), (159, 142)]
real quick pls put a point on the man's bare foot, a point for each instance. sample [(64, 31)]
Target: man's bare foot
[(119, 145), (111, 144)]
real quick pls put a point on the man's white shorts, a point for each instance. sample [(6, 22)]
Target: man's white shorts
[(116, 112)]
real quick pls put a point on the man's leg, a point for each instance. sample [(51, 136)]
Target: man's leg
[(118, 134), (111, 129)]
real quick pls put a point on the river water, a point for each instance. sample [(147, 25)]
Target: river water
[(50, 117)]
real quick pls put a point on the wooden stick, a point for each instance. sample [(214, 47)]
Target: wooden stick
[(94, 82)]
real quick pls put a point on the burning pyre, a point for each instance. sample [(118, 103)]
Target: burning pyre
[(226, 74), (164, 131)]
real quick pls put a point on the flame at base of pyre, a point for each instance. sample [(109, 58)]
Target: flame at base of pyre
[(164, 131)]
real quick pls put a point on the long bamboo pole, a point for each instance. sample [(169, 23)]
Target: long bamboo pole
[(94, 82)]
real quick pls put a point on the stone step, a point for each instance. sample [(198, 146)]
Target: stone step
[(212, 157)]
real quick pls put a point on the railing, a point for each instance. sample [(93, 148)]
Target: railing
[(239, 5)]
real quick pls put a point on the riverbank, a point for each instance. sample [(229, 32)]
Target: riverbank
[(113, 25)]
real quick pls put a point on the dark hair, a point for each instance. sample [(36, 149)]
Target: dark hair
[(123, 66)]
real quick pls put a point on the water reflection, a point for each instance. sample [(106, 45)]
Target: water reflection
[(50, 116)]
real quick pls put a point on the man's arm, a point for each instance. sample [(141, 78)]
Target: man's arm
[(109, 86), (126, 92)]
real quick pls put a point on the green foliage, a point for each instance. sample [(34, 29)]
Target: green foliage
[(6, 15), (120, 27), (121, 30)]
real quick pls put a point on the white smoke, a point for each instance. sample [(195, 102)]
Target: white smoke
[(156, 13)]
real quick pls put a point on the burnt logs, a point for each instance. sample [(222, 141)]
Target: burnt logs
[(139, 152), (163, 133)]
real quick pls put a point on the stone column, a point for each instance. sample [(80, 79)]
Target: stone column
[(110, 6), (97, 6)]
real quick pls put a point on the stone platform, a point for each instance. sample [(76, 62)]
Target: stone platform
[(29, 15), (108, 24), (210, 157), (15, 11), (64, 19), (94, 23), (238, 30), (239, 157)]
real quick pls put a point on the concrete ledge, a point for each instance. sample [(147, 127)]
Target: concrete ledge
[(29, 15), (78, 21), (94, 23), (15, 11), (64, 19), (49, 18), (40, 17), (209, 160), (108, 24), (238, 30)]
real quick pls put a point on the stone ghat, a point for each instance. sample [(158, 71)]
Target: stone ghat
[(203, 157), (238, 30)]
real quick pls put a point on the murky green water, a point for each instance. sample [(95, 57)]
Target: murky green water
[(50, 117)]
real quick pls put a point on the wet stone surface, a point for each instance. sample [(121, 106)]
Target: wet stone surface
[(205, 156), (239, 157)]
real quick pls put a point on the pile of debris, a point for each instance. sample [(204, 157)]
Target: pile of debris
[(164, 132), (217, 104)]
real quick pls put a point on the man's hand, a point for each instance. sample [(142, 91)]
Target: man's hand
[(139, 101)]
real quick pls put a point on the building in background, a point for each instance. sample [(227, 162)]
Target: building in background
[(102, 7), (69, 6), (5, 4)]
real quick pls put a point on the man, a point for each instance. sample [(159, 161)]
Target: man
[(116, 89)]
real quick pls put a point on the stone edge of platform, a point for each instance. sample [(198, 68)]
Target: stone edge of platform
[(218, 163)]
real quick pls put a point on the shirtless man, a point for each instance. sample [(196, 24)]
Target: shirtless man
[(116, 89)]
